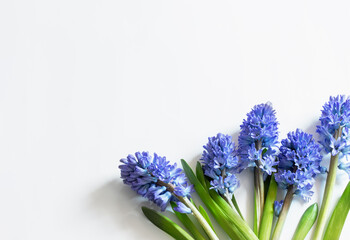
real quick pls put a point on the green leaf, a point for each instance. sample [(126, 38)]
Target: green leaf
[(339, 215), (267, 217), (205, 183), (166, 224), (234, 201), (235, 227), (306, 222), (241, 226), (200, 175), (220, 217), (205, 215), (189, 225)]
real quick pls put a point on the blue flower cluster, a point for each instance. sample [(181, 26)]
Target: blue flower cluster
[(220, 162), (299, 162), (336, 118), (154, 178), (258, 139)]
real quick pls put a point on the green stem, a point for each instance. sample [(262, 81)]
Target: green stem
[(228, 199), (259, 193), (228, 219), (267, 217), (327, 197), (186, 221), (207, 228), (258, 198), (328, 192), (283, 214), (256, 204)]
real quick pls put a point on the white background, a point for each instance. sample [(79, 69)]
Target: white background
[(84, 83)]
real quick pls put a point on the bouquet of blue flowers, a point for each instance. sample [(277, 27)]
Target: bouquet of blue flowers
[(289, 165)]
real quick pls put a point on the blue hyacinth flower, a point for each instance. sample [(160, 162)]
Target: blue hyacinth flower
[(155, 178), (335, 118), (220, 162), (299, 163), (258, 139)]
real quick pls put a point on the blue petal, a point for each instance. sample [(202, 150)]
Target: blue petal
[(182, 208)]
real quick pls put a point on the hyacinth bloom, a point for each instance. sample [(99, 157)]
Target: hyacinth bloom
[(258, 141), (334, 134), (299, 163), (155, 178), (220, 162), (334, 130)]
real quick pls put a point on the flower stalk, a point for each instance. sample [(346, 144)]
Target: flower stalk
[(207, 228), (258, 198), (327, 196), (259, 192), (283, 214), (228, 199), (258, 140), (202, 221)]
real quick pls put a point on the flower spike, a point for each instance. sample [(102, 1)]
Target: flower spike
[(335, 139), (220, 162), (299, 162), (155, 179), (161, 182), (258, 139), (257, 143)]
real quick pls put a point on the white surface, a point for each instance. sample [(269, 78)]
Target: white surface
[(84, 83)]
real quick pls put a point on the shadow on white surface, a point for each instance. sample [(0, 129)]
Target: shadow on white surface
[(121, 206)]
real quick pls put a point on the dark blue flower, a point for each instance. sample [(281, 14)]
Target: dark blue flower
[(335, 118), (299, 162), (258, 138), (220, 162), (155, 178)]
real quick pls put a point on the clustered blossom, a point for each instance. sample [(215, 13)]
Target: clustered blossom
[(258, 139), (299, 162), (220, 162), (154, 178), (336, 117)]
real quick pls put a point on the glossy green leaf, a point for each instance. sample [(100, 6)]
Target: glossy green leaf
[(306, 222), (166, 224), (234, 201), (205, 183), (220, 217), (235, 227), (189, 225), (200, 175), (206, 216), (339, 215)]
